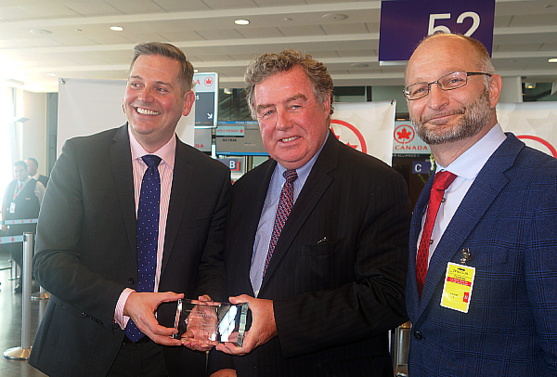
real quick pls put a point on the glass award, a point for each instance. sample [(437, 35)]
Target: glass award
[(211, 321)]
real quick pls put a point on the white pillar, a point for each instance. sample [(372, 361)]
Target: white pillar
[(512, 90)]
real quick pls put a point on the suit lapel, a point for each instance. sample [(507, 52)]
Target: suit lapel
[(248, 221), (121, 161), (316, 184), (415, 228), (486, 187), (182, 187)]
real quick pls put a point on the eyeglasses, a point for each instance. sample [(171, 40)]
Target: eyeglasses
[(449, 81)]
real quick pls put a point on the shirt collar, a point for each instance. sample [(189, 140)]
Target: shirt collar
[(167, 152), (469, 164)]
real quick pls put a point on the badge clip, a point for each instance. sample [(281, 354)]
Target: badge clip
[(466, 256)]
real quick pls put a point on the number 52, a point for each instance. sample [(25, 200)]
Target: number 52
[(445, 16)]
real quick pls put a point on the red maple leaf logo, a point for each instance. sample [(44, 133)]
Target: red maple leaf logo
[(208, 81), (404, 134)]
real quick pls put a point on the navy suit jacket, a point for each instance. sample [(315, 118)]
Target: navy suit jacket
[(86, 250), (334, 300), (508, 220)]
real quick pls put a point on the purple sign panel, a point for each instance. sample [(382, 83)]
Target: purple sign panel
[(404, 23)]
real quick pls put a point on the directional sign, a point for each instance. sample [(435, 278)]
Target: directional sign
[(206, 88)]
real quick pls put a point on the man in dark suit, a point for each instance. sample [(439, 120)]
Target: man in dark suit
[(33, 167), (86, 243), (334, 284), (488, 300)]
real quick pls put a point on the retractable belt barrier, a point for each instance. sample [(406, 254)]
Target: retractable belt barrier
[(23, 352)]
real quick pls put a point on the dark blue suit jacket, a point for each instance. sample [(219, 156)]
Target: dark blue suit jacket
[(508, 220)]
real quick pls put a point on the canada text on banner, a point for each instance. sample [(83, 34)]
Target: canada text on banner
[(366, 126), (535, 123)]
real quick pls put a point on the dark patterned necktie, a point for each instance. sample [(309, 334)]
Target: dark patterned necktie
[(147, 234), (441, 182), (283, 211)]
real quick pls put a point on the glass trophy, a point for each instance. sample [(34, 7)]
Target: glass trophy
[(211, 321)]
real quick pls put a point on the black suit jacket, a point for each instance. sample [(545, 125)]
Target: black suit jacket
[(334, 300), (86, 250)]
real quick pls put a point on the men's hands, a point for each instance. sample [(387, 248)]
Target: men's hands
[(199, 325), (263, 327), (141, 307)]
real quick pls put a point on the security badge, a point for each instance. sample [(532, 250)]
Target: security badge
[(459, 281), (12, 208)]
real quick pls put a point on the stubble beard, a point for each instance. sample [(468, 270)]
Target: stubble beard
[(474, 118)]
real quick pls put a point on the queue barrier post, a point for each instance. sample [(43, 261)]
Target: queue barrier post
[(24, 351)]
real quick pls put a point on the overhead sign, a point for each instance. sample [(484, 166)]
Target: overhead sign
[(206, 86), (404, 23)]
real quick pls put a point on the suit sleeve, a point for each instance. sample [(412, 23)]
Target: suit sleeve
[(373, 302), (211, 266), (541, 273), (59, 258)]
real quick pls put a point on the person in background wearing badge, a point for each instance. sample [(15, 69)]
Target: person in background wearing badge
[(22, 201), (482, 279)]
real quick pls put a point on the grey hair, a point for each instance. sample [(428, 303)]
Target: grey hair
[(270, 63)]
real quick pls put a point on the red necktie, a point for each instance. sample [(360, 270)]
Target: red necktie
[(441, 181), (283, 211)]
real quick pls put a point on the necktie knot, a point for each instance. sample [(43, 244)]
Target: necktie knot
[(443, 180), (290, 175), (151, 160)]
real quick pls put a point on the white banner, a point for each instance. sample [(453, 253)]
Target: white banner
[(366, 126), (88, 106), (535, 123)]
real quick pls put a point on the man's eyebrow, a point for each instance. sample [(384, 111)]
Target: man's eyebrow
[(159, 82), (295, 97), (289, 99)]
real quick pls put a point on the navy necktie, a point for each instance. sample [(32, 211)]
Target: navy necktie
[(283, 211), (147, 234)]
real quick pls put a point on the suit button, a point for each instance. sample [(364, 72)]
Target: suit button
[(418, 335), (131, 281)]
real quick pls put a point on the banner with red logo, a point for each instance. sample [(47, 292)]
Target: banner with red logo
[(406, 140), (535, 123), (366, 126)]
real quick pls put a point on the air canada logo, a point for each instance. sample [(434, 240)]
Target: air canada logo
[(208, 81), (348, 134), (539, 143), (404, 134)]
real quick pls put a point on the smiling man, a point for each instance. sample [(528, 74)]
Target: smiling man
[(482, 280), (316, 238), (132, 220)]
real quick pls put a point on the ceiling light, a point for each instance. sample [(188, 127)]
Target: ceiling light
[(552, 60), (40, 31), (334, 17), (530, 85), (116, 28), (241, 21), (359, 65)]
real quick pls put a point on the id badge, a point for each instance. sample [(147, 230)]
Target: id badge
[(12, 208), (457, 291)]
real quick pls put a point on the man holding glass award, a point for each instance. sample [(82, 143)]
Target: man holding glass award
[(316, 239)]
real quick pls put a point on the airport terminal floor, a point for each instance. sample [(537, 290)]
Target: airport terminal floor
[(10, 323)]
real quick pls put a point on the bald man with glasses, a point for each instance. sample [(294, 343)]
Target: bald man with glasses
[(482, 279)]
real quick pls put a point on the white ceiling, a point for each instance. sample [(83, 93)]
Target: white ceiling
[(43, 40)]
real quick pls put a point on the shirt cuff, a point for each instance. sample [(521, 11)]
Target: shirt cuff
[(119, 316)]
